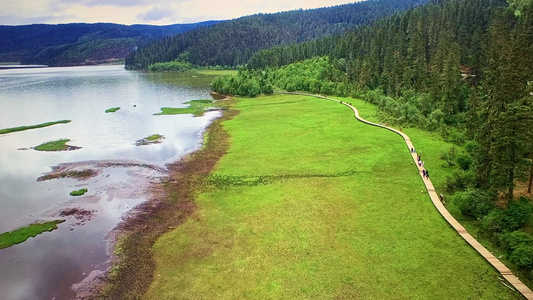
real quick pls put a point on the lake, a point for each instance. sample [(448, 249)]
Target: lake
[(48, 265)]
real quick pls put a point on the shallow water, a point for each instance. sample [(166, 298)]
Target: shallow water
[(46, 266)]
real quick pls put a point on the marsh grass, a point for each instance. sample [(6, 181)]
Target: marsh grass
[(152, 139), (79, 192), (372, 234), (196, 107), (59, 145), (8, 239), (23, 128), (112, 110)]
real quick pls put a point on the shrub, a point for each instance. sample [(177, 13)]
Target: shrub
[(449, 155), (493, 222), (515, 216), (461, 180), (518, 213), (511, 241), (464, 160), (471, 147), (473, 202), (522, 257)]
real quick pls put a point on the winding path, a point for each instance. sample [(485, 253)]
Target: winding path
[(504, 271)]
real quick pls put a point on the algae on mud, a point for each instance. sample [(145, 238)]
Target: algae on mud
[(8, 239)]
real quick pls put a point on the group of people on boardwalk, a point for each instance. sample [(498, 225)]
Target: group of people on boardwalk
[(421, 164)]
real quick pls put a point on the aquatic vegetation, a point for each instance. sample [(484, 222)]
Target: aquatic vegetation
[(196, 107), (153, 139), (23, 128), (8, 239), (79, 192), (112, 110), (59, 145)]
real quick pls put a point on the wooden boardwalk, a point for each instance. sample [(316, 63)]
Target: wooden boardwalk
[(495, 262)]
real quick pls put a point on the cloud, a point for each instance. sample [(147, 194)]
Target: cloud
[(15, 19), (119, 3), (155, 12)]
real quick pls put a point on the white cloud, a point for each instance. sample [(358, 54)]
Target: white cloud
[(157, 12)]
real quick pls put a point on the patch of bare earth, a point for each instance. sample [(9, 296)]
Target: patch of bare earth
[(81, 215), (169, 205), (62, 173), (521, 190)]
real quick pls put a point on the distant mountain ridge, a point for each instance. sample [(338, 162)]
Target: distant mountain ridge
[(232, 43), (80, 43)]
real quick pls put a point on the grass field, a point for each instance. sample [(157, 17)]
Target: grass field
[(340, 215), (8, 239), (428, 144)]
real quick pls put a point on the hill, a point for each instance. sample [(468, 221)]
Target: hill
[(80, 43), (233, 42)]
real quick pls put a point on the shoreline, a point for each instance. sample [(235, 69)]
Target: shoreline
[(169, 204), (153, 191)]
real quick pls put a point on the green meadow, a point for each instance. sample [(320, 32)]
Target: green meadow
[(309, 203)]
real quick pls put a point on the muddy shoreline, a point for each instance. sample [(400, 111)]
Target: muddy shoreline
[(169, 204)]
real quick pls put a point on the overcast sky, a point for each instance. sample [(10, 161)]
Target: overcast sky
[(156, 12)]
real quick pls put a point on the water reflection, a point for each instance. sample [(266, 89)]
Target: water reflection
[(44, 267)]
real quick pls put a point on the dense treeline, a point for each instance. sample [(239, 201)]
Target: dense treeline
[(66, 44), (460, 67), (232, 43), (317, 75)]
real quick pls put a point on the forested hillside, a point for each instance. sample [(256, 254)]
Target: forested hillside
[(232, 43), (459, 67), (73, 44)]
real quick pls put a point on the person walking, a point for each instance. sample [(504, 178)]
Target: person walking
[(427, 174)]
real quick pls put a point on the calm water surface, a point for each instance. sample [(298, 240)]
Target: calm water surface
[(46, 266)]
